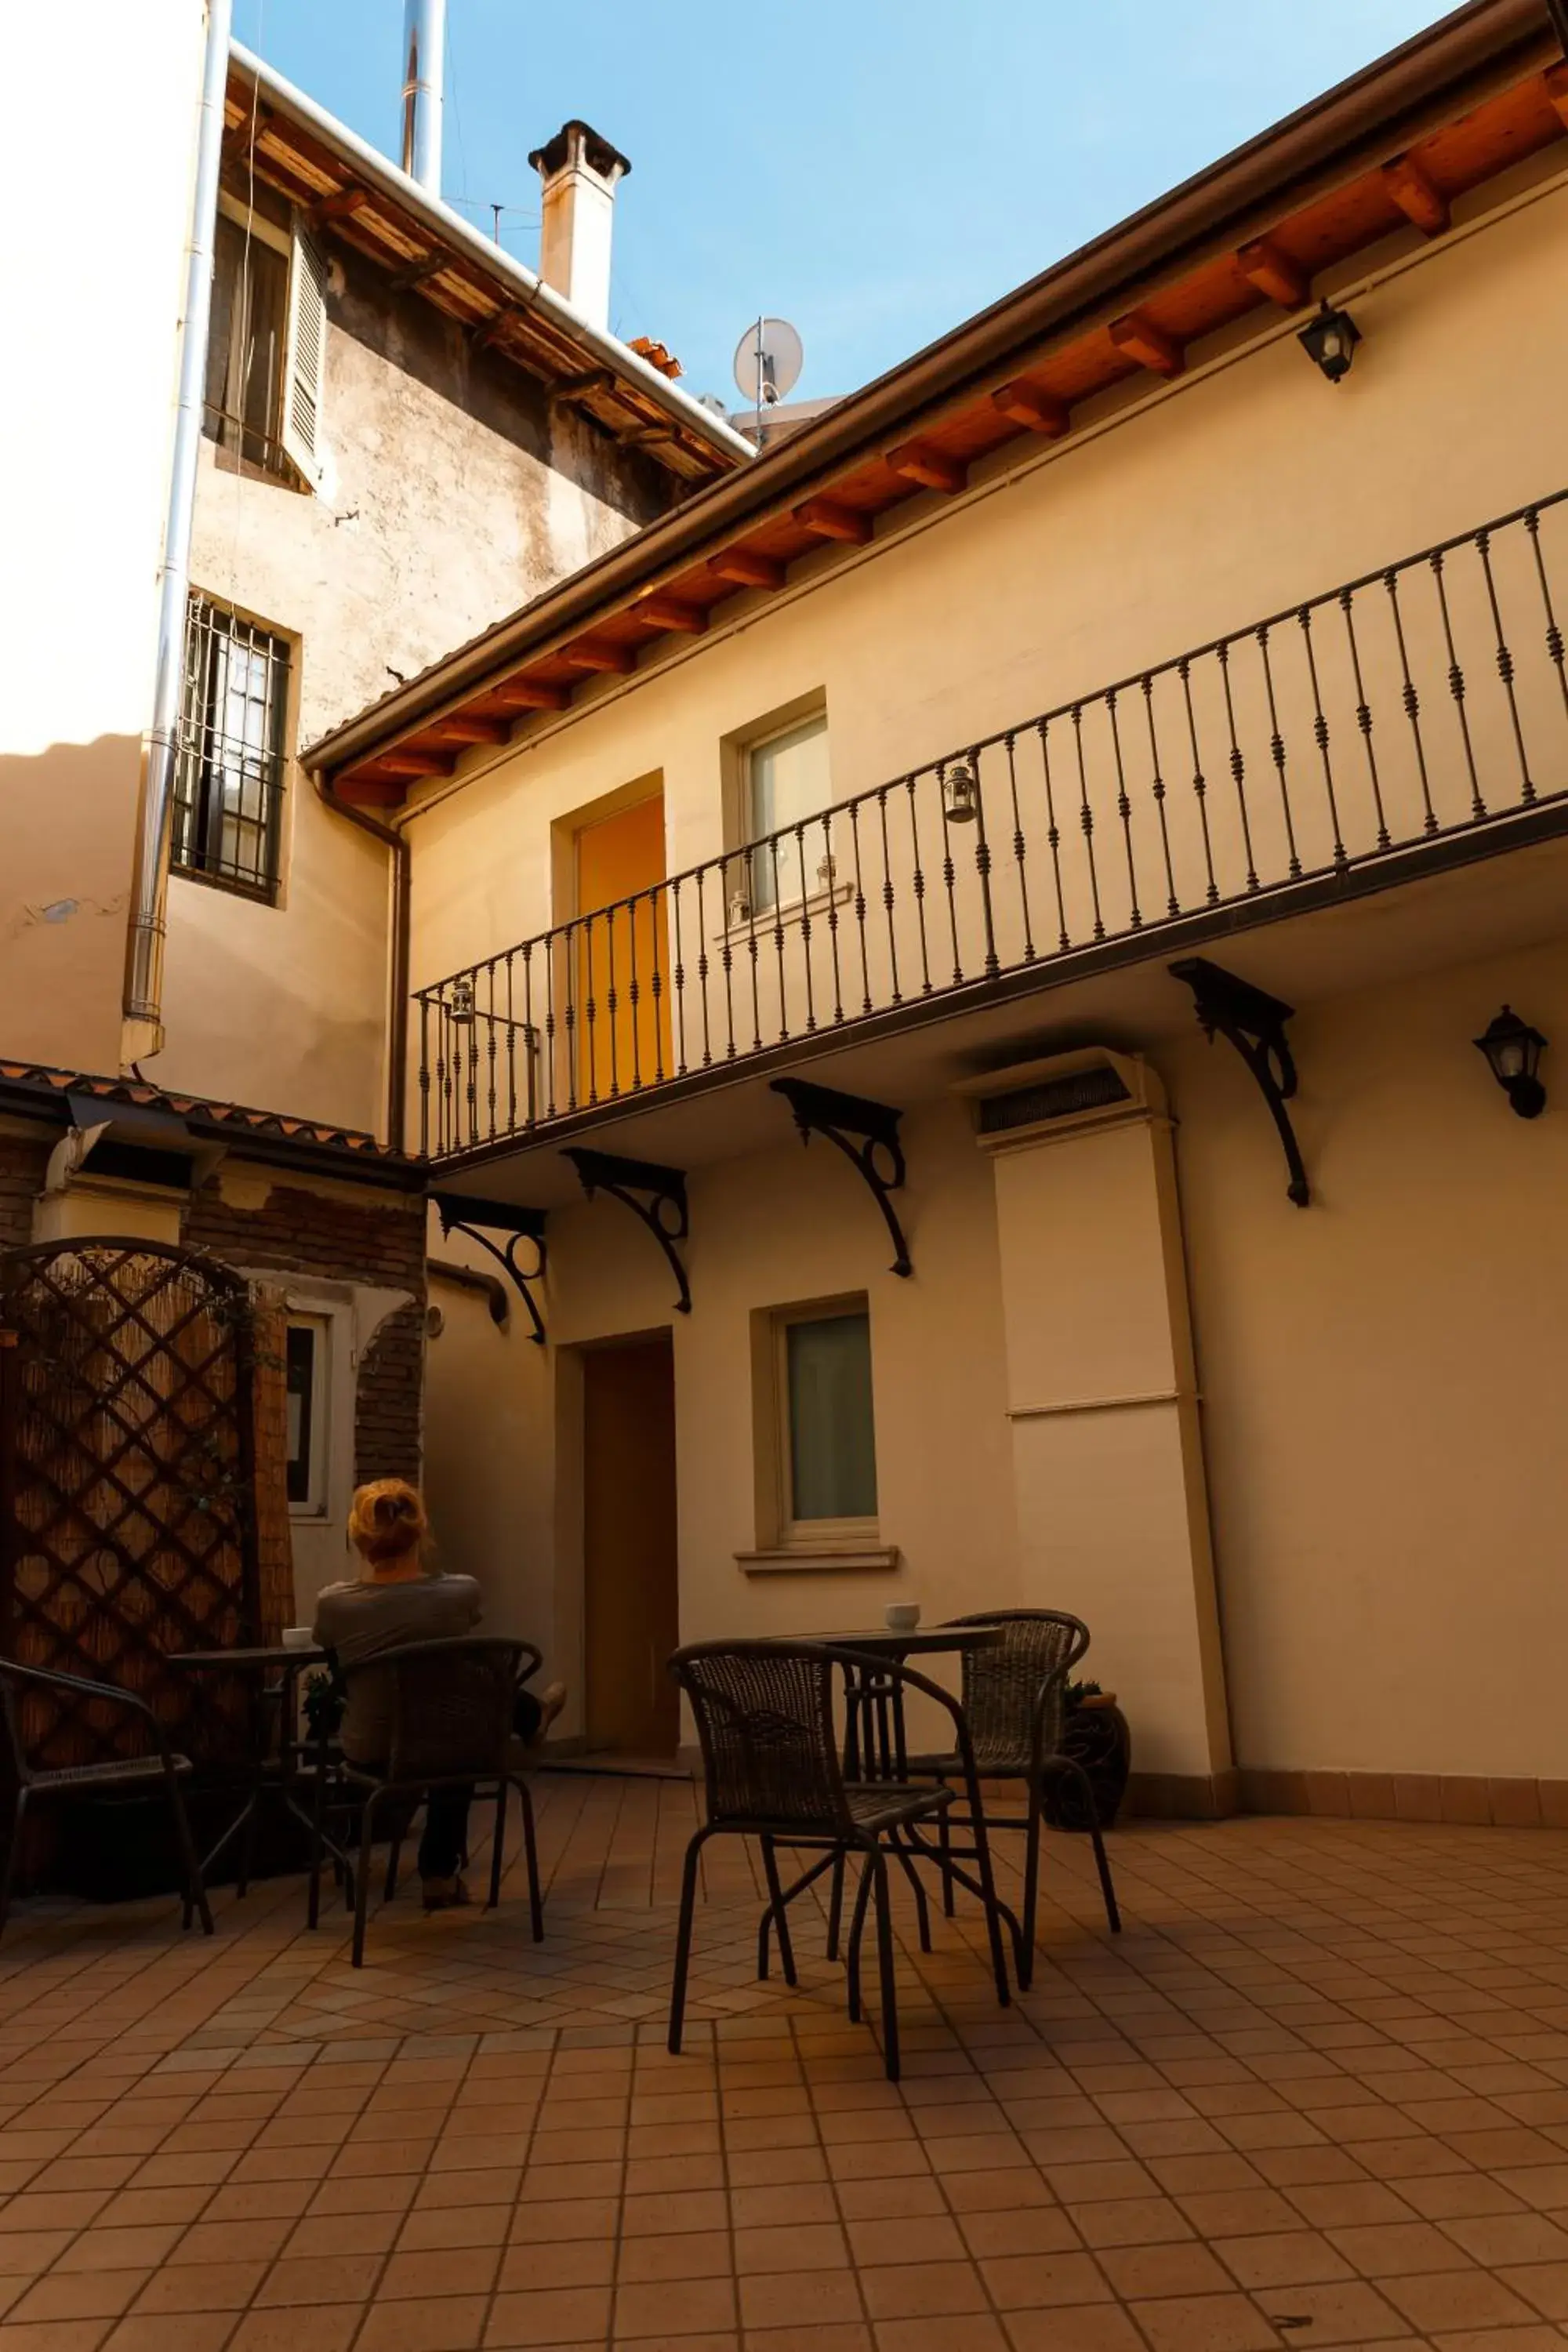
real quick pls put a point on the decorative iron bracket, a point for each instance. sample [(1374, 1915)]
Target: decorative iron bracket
[(462, 1213), (822, 1110), (655, 1197), (1254, 1022)]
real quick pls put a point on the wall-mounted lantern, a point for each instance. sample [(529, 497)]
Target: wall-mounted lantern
[(461, 1004), (960, 793), (1513, 1051), (1330, 340)]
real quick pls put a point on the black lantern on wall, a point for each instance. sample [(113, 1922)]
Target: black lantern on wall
[(1330, 340), (1513, 1051)]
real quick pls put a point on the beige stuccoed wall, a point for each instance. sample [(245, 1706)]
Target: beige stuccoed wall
[(1221, 500), (452, 495), (773, 1230), (87, 437), (1384, 1377)]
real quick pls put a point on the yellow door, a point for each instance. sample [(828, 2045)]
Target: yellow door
[(622, 978)]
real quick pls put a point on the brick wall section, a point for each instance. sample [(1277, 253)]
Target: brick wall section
[(22, 1166), (380, 1240)]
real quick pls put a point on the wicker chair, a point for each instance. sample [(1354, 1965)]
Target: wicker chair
[(766, 1719), (1015, 1697), (22, 1782), (452, 1704)]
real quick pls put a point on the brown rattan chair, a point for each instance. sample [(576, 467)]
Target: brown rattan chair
[(767, 1722), (452, 1706), (1014, 1697), (22, 1782)]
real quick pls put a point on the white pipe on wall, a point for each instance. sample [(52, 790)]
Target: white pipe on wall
[(423, 51), (143, 995)]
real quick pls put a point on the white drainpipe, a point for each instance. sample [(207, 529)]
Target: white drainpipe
[(143, 1004), (424, 33)]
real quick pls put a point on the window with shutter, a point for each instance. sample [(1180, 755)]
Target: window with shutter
[(244, 399), (306, 360)]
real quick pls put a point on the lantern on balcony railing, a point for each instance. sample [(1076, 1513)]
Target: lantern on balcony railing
[(960, 793), (1513, 1051), (461, 1004)]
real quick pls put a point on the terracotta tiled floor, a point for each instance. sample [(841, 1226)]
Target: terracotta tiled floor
[(1318, 2090)]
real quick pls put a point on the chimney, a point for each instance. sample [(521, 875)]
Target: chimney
[(424, 32), (579, 170)]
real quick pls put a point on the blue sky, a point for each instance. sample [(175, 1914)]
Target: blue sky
[(873, 170)]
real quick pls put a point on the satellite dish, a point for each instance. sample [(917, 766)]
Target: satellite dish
[(768, 361)]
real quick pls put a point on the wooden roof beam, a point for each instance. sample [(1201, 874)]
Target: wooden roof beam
[(584, 387), (587, 655), (1418, 197), (463, 728), (1037, 411), (338, 205), (1144, 340), (827, 519), (419, 273), (405, 760), (1276, 273), (489, 331), (669, 612), (745, 567), (917, 461), (531, 693)]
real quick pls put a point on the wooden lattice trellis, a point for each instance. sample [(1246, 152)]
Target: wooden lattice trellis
[(127, 1508)]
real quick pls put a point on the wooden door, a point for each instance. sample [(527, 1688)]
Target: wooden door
[(621, 982), (630, 1546)]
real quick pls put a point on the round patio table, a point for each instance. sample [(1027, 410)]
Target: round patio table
[(273, 1671), (876, 1748)]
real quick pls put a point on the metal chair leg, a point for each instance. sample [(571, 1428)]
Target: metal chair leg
[(923, 1909), (883, 1892), (683, 1941), (1075, 1773), (944, 1847), (195, 1892), (530, 1851), (776, 1911), (13, 1855), (498, 1841), (836, 1908), (317, 1799), (362, 1875), (393, 1856), (1031, 1888), (857, 1929)]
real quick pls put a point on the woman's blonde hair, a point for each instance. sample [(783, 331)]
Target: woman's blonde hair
[(387, 1520)]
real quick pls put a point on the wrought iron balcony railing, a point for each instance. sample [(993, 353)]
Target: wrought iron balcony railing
[(1414, 703)]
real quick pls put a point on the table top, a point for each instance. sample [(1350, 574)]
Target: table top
[(908, 1641), (256, 1659)]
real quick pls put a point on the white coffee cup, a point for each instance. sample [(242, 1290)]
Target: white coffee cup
[(299, 1637), (902, 1616)]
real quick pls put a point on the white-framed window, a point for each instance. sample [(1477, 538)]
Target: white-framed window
[(267, 346), (824, 1433), (787, 783), (229, 773), (309, 1385)]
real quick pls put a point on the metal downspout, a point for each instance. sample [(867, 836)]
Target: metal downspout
[(423, 37), (143, 1002), (398, 986)]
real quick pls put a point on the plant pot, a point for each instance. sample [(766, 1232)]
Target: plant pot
[(1096, 1736)]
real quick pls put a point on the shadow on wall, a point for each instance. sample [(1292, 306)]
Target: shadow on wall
[(68, 819)]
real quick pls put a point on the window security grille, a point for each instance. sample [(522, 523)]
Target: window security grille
[(229, 788)]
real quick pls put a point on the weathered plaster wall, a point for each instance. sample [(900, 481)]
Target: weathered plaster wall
[(453, 494), (85, 480)]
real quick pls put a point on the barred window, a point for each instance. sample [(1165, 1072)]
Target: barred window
[(229, 788)]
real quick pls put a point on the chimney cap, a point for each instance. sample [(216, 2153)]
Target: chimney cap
[(577, 143)]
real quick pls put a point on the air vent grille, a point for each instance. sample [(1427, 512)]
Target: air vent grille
[(1052, 1099)]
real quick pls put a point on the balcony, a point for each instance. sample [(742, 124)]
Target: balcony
[(1411, 719)]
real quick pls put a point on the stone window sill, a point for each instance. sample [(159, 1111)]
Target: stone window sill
[(782, 1560)]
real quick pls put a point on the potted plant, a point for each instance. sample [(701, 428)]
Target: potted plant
[(1095, 1734)]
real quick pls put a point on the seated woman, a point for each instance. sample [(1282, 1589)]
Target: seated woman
[(396, 1600)]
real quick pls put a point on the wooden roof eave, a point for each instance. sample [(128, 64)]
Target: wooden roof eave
[(979, 404), (324, 186)]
